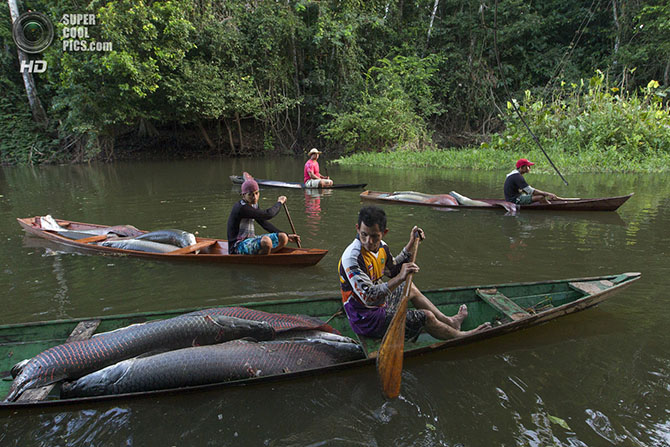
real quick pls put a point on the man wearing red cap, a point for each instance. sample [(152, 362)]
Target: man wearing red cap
[(518, 191), (242, 237)]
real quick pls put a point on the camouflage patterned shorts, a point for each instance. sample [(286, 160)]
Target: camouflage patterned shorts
[(416, 319), (252, 245)]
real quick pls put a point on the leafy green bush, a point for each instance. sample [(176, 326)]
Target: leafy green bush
[(23, 141), (620, 129), (391, 111)]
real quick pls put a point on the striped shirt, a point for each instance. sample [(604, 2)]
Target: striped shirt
[(364, 293)]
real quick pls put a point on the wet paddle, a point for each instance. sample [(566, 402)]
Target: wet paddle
[(290, 221), (389, 359)]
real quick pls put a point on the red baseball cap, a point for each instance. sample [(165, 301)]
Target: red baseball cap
[(523, 162)]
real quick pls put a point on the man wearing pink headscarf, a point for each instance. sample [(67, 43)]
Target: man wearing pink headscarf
[(242, 237)]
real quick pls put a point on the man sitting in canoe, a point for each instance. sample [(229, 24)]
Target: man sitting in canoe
[(242, 238), (371, 303), (521, 193), (312, 178)]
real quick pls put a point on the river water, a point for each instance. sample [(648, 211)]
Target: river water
[(597, 378)]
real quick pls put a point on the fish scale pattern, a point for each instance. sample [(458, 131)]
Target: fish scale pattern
[(279, 322), (233, 360), (74, 359)]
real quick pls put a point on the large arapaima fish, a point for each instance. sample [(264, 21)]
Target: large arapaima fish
[(207, 326), (139, 245), (279, 322), (233, 360), (180, 238), (77, 358)]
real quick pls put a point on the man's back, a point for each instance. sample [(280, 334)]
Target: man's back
[(513, 183)]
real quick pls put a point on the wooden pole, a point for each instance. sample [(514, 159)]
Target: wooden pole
[(290, 221)]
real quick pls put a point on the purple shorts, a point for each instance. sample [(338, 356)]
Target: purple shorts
[(373, 322)]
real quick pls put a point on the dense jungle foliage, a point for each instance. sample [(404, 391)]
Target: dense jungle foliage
[(189, 77)]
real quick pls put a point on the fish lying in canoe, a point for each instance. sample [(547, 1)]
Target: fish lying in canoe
[(72, 360), (233, 360), (139, 245), (451, 200), (203, 327), (457, 201), (203, 250), (280, 322), (510, 308), (160, 241)]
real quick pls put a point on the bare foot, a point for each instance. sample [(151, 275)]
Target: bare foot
[(460, 316), (481, 327)]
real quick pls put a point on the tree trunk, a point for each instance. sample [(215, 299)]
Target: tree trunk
[(239, 130), (209, 141), (39, 115), (297, 88), (432, 18), (230, 137), (618, 32)]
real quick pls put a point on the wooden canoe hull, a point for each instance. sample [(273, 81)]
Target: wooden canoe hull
[(541, 301), (216, 252), (238, 180), (594, 204)]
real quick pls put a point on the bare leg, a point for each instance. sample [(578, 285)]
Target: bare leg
[(539, 198), (283, 240), (443, 331), (326, 182), (443, 324), (266, 245), (421, 302)]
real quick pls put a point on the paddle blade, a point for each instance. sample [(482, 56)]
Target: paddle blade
[(392, 349), (390, 357)]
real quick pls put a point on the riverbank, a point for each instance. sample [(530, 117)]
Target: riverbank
[(491, 159)]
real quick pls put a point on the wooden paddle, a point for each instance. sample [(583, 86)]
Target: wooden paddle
[(389, 359), (569, 199), (290, 221)]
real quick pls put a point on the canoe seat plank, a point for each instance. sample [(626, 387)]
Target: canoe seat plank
[(82, 331), (591, 287), (98, 238), (192, 248), (502, 303)]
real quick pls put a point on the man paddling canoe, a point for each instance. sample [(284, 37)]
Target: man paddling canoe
[(242, 237), (371, 303), (518, 191)]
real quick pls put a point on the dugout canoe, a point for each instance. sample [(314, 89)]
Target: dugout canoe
[(440, 201), (204, 250), (509, 307), (238, 180)]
